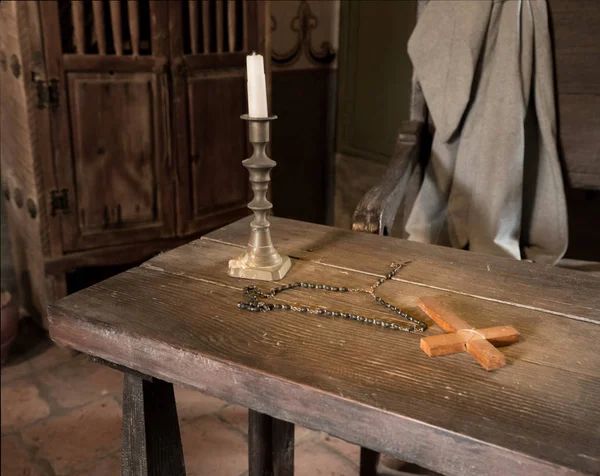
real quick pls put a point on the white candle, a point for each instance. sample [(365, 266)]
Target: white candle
[(257, 89)]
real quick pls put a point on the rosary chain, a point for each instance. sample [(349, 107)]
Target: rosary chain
[(254, 305)]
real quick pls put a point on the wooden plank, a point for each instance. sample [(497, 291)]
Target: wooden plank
[(537, 327), (213, 61), (194, 39), (134, 25), (151, 439), (189, 331), (124, 64), (78, 26), (368, 462), (260, 451), (231, 25), (445, 344), (98, 9), (531, 286), (206, 26), (219, 16), (115, 21), (283, 447)]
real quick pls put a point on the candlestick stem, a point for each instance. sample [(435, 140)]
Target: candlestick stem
[(261, 260)]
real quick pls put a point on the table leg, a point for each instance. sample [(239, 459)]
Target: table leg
[(270, 446), (368, 462), (283, 448), (151, 439)]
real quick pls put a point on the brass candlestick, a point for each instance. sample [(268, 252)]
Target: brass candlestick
[(261, 260)]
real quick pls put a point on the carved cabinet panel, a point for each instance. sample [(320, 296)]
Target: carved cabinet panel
[(148, 139)]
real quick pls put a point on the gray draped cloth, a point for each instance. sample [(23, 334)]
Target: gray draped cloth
[(494, 181)]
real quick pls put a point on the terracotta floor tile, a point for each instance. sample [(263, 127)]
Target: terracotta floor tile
[(14, 370), (51, 355), (348, 450), (236, 417), (192, 404), (210, 448), (315, 460), (16, 460), (80, 381), (109, 466), (76, 440), (21, 405)]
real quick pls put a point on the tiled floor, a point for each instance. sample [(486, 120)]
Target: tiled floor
[(61, 415)]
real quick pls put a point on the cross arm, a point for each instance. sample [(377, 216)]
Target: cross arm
[(475, 343), (377, 210)]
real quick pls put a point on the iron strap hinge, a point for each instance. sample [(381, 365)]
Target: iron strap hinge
[(47, 93), (59, 201)]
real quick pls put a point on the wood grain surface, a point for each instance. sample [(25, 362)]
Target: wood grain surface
[(175, 318)]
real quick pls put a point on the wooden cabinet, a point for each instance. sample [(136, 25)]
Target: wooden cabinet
[(130, 138)]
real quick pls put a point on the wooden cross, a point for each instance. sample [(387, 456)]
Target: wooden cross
[(477, 342)]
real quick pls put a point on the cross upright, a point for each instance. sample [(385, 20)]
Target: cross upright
[(463, 337)]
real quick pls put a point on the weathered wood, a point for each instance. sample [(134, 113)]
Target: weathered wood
[(151, 439), (296, 367), (576, 39), (527, 285), (219, 25), (116, 64), (78, 26), (99, 31), (133, 13), (231, 25), (377, 210), (282, 438), (111, 256), (260, 448), (194, 39), (115, 21), (368, 462), (206, 26)]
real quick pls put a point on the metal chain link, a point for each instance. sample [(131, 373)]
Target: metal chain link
[(255, 305)]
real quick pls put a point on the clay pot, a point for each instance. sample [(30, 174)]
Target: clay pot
[(9, 320)]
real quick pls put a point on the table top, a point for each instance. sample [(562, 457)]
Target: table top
[(175, 317)]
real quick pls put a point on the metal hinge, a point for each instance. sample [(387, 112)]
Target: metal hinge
[(59, 201), (47, 93)]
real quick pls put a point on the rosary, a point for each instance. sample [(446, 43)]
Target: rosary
[(255, 305)]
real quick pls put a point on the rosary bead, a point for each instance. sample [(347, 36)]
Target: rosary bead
[(254, 303)]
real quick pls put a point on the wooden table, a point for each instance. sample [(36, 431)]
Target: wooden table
[(174, 320)]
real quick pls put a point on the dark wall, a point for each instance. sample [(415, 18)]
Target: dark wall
[(302, 142)]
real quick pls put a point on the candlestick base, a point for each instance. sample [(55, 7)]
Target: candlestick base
[(242, 267)]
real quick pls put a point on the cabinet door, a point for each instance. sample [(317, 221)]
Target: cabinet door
[(110, 114), (209, 44)]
